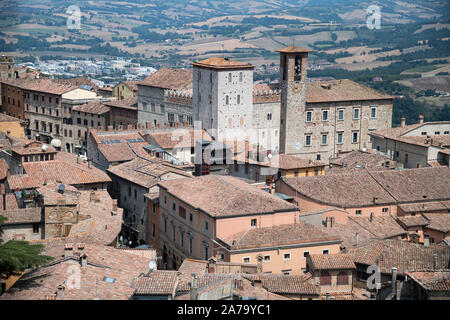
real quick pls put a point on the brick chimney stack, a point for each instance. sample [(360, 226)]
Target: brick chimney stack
[(402, 122)]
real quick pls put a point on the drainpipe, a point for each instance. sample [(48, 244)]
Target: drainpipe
[(394, 283)]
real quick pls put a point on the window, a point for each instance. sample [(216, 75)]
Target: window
[(446, 132), (305, 254), (341, 114), (355, 137), (269, 116), (356, 113), (423, 133), (308, 116), (153, 207), (246, 259), (287, 256), (191, 217), (227, 100), (318, 157), (240, 77), (308, 140), (165, 199), (358, 212), (373, 112), (325, 251), (190, 244), (174, 206), (206, 225), (339, 138), (173, 232), (325, 115), (406, 158), (325, 278), (230, 77), (35, 227), (238, 99), (266, 259), (253, 223), (324, 139), (342, 278), (182, 212), (385, 209), (135, 193), (286, 272)]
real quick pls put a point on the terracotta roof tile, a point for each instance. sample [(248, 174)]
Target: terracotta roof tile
[(64, 169), (93, 107), (169, 79), (146, 173), (108, 275), (404, 255), (130, 103), (222, 196), (438, 221), (331, 262), (222, 63), (432, 280), (158, 282), (296, 233), (181, 138)]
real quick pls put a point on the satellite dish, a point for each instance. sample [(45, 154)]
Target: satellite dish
[(44, 147), (152, 265), (269, 156), (298, 146)]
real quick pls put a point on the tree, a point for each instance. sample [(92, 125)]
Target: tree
[(17, 256)]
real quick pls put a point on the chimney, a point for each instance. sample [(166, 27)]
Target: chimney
[(89, 163), (402, 122), (158, 125), (114, 205), (78, 159), (326, 222), (120, 127), (421, 119), (434, 261), (426, 242), (394, 282), (331, 222), (110, 128), (148, 125), (130, 127), (92, 196), (194, 288), (68, 250), (356, 239), (99, 128), (83, 260), (139, 126)]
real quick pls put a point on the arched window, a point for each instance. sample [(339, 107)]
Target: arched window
[(239, 99), (229, 77), (227, 100), (240, 76), (325, 278), (342, 278)]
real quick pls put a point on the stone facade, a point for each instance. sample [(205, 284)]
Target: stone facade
[(158, 107)]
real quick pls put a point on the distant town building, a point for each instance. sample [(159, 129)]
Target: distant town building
[(424, 144)]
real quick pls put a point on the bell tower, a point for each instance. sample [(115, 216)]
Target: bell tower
[(293, 62)]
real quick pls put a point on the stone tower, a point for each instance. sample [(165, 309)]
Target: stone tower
[(293, 62), (223, 97)]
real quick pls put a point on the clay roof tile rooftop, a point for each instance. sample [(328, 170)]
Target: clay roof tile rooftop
[(222, 63), (166, 78), (331, 262), (221, 196)]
